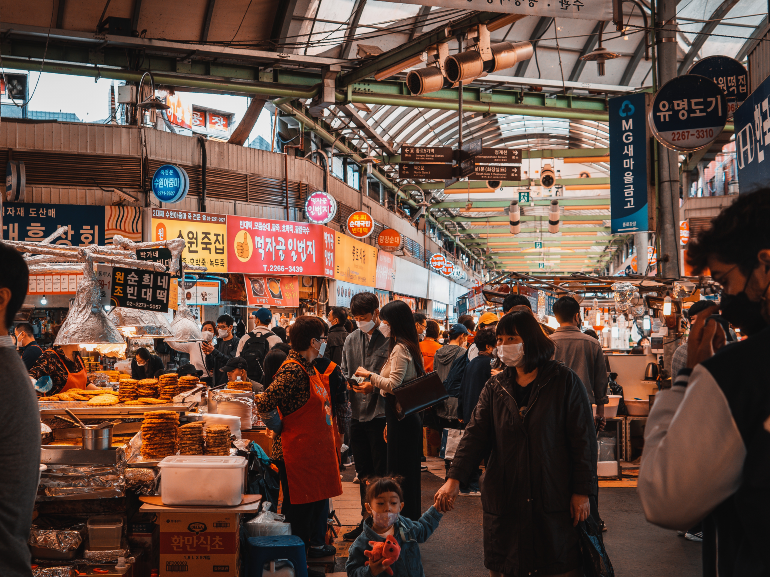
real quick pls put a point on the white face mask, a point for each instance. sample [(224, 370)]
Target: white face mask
[(322, 349), (511, 355), (384, 520), (422, 335), (385, 329), (367, 326), (223, 333)]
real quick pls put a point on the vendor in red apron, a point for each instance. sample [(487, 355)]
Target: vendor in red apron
[(65, 367), (305, 450)]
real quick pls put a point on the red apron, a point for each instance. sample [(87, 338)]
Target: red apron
[(77, 380), (309, 453)]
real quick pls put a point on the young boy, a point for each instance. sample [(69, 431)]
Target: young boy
[(384, 501)]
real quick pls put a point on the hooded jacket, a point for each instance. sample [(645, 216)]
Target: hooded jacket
[(444, 358), (408, 533), (540, 457)]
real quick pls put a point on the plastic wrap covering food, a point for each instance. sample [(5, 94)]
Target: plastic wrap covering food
[(109, 556), (63, 541), (53, 571), (70, 480), (101, 380), (141, 481)]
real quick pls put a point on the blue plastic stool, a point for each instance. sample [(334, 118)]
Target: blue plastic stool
[(262, 550)]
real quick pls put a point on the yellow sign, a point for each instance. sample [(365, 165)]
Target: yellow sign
[(354, 261), (205, 236)]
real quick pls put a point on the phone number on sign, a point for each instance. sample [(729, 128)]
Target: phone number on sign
[(281, 268), (686, 135)]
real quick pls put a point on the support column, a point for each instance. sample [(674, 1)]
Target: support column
[(668, 223), (641, 242)]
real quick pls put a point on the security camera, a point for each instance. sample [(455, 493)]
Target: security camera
[(547, 176)]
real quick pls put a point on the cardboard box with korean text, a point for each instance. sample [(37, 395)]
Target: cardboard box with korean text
[(199, 544)]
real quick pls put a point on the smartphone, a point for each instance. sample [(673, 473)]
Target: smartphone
[(355, 381), (725, 325)]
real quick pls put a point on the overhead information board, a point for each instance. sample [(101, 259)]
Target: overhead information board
[(425, 171), (426, 154), (499, 155), (495, 172), (583, 9)]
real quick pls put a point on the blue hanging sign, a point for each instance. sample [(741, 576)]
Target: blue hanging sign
[(729, 74), (170, 183), (681, 122), (628, 163), (752, 138)]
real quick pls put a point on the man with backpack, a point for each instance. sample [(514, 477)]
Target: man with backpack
[(255, 344)]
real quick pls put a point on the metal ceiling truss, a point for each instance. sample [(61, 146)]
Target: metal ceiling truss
[(700, 39)]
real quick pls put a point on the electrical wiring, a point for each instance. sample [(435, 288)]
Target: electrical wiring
[(241, 24)]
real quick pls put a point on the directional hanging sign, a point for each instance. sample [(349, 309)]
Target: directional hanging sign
[(425, 171), (471, 149), (426, 154), (583, 9), (729, 74), (688, 113), (495, 172), (499, 156)]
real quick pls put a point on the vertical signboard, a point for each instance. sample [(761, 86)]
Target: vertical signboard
[(752, 137), (628, 163), (356, 262), (386, 270)]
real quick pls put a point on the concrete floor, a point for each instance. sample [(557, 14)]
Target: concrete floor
[(636, 548)]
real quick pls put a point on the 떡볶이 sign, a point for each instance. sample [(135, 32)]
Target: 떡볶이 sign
[(277, 247), (688, 113), (752, 138), (437, 261), (729, 74), (628, 163), (140, 289), (170, 183), (389, 240), (320, 207), (205, 236), (360, 224)]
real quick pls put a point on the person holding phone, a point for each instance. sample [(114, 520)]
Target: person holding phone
[(707, 440)]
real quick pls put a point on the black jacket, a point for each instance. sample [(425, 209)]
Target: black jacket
[(223, 351), (149, 370), (477, 373), (335, 341), (538, 461)]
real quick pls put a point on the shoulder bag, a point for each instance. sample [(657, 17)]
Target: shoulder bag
[(418, 394)]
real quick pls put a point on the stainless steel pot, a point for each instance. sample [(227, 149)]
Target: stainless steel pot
[(97, 439)]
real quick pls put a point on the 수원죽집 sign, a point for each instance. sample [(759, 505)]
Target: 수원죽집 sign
[(628, 163), (205, 236)]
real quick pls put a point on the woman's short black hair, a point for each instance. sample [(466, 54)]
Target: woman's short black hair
[(398, 315), (15, 278), (349, 326), (213, 325), (143, 354), (304, 330), (377, 487), (485, 338), (433, 330), (736, 235), (364, 304), (538, 348), (273, 361), (280, 332), (515, 300)]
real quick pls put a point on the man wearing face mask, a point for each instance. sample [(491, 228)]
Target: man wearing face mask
[(421, 324), (29, 350), (707, 440), (225, 349), (366, 347), (305, 451)]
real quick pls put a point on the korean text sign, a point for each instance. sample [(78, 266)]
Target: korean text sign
[(356, 262), (140, 289), (729, 74), (584, 9), (628, 163), (277, 247), (752, 138), (386, 270), (205, 236)]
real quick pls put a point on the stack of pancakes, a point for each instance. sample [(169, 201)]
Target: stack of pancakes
[(191, 439), (186, 383), (218, 440), (239, 386), (148, 388), (159, 434), (128, 390), (168, 386)]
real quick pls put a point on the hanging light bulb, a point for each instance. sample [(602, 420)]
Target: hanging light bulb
[(43, 301), (667, 306)]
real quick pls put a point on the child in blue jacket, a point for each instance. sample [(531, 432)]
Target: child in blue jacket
[(384, 501)]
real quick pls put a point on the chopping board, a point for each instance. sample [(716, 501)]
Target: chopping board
[(156, 501)]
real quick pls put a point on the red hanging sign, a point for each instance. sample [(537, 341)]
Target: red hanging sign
[(437, 261), (389, 240), (360, 224)]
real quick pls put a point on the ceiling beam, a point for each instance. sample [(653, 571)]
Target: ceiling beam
[(541, 28), (350, 33), (419, 22), (589, 46), (716, 17), (60, 14), (242, 131), (282, 20), (136, 13), (207, 21), (350, 112), (751, 42), (564, 218), (563, 201)]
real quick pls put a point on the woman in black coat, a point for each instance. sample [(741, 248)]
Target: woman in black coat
[(536, 420)]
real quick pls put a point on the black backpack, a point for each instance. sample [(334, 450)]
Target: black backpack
[(254, 352)]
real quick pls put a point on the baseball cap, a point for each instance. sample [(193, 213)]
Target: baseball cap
[(264, 315), (235, 363), (458, 328), (488, 318)]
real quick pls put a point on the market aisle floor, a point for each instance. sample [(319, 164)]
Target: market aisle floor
[(636, 548)]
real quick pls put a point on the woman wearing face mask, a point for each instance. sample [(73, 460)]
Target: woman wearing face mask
[(404, 437), (145, 365), (305, 451), (535, 419)]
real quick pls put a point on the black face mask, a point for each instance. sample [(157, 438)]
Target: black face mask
[(742, 312)]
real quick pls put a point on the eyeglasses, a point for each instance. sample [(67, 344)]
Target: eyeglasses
[(719, 282)]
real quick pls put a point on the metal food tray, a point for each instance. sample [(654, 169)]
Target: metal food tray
[(51, 408)]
